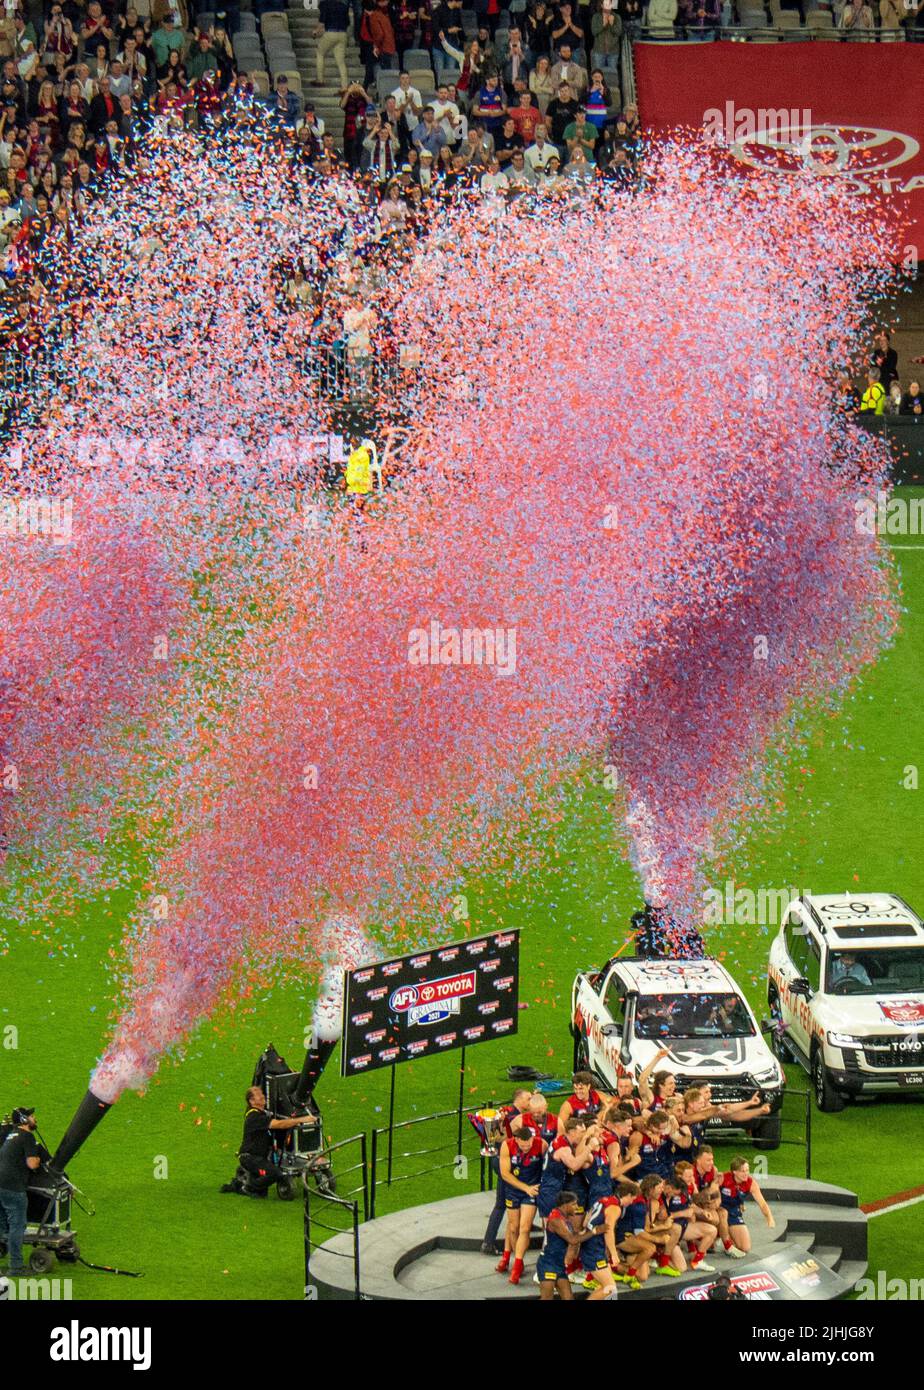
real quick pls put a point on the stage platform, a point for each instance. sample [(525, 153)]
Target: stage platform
[(818, 1250)]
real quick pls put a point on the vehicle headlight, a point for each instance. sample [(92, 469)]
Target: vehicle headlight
[(844, 1040), (763, 1077)]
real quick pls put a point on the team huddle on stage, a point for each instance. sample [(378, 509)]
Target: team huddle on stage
[(624, 1184)]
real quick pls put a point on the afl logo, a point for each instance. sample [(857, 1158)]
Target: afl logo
[(404, 998), (859, 156)]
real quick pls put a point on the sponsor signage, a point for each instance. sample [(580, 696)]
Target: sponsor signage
[(779, 1277), (414, 1006), (904, 1013), (856, 118)]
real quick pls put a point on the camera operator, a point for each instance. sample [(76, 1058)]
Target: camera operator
[(724, 1291), (254, 1153), (19, 1155)]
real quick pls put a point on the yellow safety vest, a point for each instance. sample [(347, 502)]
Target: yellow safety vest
[(359, 472)]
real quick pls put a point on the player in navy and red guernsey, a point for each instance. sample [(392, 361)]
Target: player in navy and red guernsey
[(654, 1147), (541, 1119), (561, 1234), (734, 1187), (509, 1115), (594, 1259), (567, 1157), (583, 1100), (522, 1159), (660, 1229), (615, 1134), (698, 1236)]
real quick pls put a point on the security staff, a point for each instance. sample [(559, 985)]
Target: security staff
[(19, 1155), (256, 1143)]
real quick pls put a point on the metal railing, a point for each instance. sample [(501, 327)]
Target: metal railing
[(329, 1214)]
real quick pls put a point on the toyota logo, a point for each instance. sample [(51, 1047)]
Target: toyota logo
[(860, 156)]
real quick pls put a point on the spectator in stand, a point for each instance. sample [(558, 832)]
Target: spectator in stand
[(581, 134), (517, 62), (631, 12), (885, 358), (560, 112), (618, 171), (912, 400), (525, 116), (914, 21), (519, 175), (567, 30), (541, 151), (661, 17), (541, 85), (331, 33), (103, 107), (95, 27), (353, 103), (856, 17), (284, 106), (428, 135), (491, 106), (408, 103), (891, 16), (59, 35), (630, 116), (494, 180), (381, 151), (384, 48), (506, 142), (478, 149), (405, 23), (166, 40), (202, 58), (474, 67), (606, 28), (448, 116), (538, 30), (893, 401), (701, 18), (567, 70), (448, 33), (488, 12), (873, 401), (598, 101)]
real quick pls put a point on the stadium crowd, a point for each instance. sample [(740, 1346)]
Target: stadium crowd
[(624, 1185)]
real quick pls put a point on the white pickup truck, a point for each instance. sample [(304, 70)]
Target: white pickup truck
[(846, 992), (622, 1015)]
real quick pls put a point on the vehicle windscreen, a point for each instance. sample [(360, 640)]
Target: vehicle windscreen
[(692, 1016), (874, 970)]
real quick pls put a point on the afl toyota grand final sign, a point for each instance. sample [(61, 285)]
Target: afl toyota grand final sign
[(852, 113), (432, 1001)]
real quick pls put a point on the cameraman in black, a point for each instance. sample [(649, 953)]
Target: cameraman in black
[(256, 1143), (724, 1291), (19, 1156)]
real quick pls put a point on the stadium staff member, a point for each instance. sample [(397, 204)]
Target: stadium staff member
[(361, 465), (19, 1155), (253, 1155), (873, 402)]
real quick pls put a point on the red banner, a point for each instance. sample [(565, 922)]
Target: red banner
[(850, 111)]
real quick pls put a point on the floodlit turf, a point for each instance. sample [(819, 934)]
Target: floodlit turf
[(154, 1166)]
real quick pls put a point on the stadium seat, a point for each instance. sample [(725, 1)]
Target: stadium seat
[(204, 21), (787, 19), (274, 24), (416, 58), (819, 19), (261, 82), (422, 78), (248, 23), (275, 14), (295, 79)]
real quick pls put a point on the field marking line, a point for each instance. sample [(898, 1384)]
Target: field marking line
[(909, 1198)]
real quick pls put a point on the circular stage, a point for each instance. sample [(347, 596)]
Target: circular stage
[(817, 1250)]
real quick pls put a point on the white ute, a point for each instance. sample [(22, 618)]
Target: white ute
[(623, 1014), (846, 993)]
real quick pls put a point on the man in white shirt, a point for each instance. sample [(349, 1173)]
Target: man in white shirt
[(408, 101), (538, 154), (494, 180), (447, 116)]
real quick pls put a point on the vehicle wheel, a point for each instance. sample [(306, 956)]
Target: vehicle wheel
[(829, 1101), (769, 1133), (41, 1261), (285, 1190), (777, 1037), (326, 1182), (581, 1060)]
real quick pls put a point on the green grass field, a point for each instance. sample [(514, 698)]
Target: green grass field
[(155, 1165)]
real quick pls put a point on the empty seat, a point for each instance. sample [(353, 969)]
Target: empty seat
[(787, 19), (248, 23), (274, 24), (422, 79), (204, 21), (819, 19), (416, 58)]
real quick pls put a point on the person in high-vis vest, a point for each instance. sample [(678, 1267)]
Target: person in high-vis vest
[(874, 397), (362, 463)]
